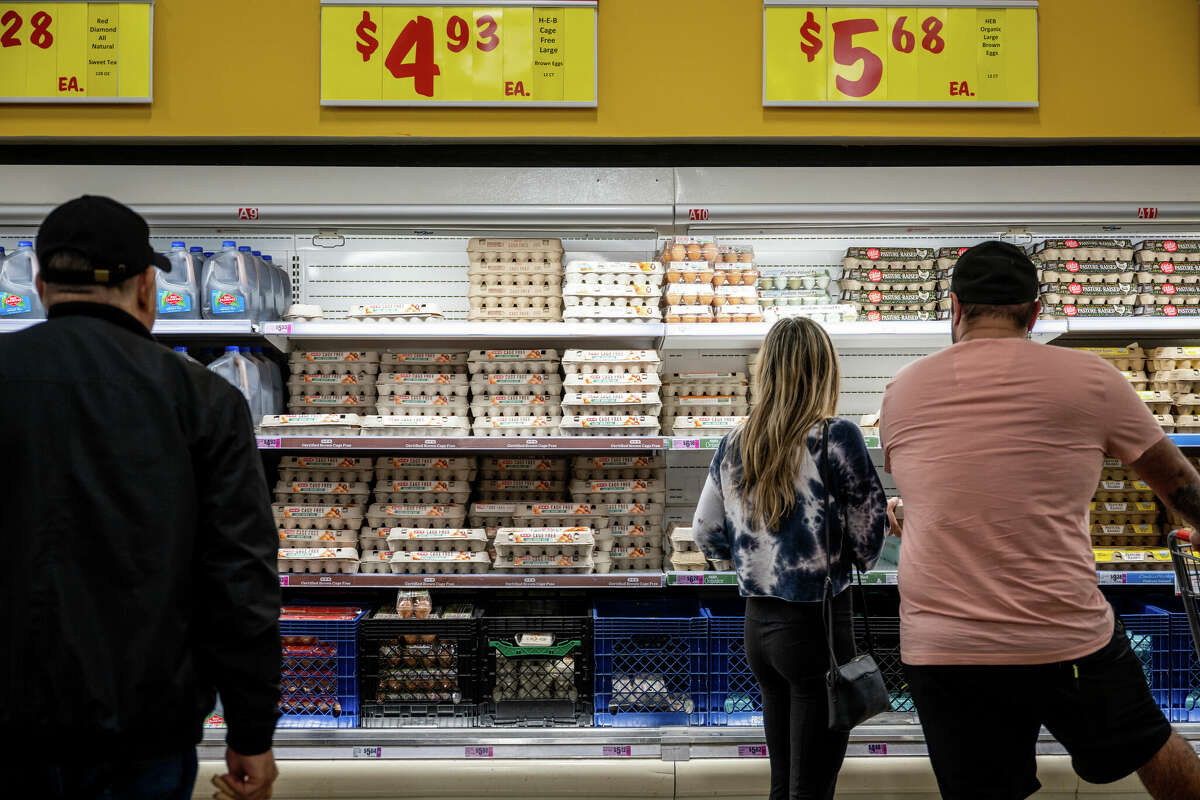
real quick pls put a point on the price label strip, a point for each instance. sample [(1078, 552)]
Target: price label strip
[(412, 54), (76, 52), (842, 53)]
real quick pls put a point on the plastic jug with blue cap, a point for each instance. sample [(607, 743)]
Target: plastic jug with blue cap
[(243, 374), (256, 281), (274, 379), (183, 353), (18, 291), (230, 285), (270, 280), (177, 289)]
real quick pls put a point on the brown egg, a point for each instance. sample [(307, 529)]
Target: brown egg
[(673, 276), (749, 276), (693, 252), (718, 278), (705, 276), (728, 255), (672, 316), (723, 317), (678, 252), (746, 256), (689, 317), (710, 252), (666, 255)]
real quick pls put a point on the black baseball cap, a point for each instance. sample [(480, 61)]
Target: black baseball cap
[(995, 274), (112, 236)]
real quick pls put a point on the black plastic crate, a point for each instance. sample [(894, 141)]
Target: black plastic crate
[(537, 687), (419, 672), (886, 633)]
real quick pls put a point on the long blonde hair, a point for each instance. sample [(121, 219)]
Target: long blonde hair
[(797, 381)]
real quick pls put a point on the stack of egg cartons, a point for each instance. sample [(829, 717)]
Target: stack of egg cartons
[(1175, 374), (508, 486), (707, 283), (892, 284), (626, 406), (421, 394), (1087, 277), (566, 550), (704, 403), (1168, 281), (686, 555), (332, 382), (623, 494), (318, 502), (515, 280), (799, 292), (613, 291), (515, 392), (1123, 512)]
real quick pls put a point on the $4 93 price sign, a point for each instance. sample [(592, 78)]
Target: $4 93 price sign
[(920, 55), (404, 54)]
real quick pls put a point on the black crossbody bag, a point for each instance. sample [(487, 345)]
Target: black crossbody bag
[(856, 690)]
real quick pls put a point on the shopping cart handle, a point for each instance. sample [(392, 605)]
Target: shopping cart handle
[(1183, 535)]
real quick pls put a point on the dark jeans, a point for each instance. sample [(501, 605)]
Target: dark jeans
[(161, 778), (785, 644)]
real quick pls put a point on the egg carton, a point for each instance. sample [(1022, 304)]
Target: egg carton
[(517, 250), (514, 315), (737, 313), (1136, 513), (632, 511), (1131, 357), (689, 294), (1169, 311), (734, 295), (576, 541), (611, 403), (618, 461), (713, 426), (317, 560), (1129, 531), (439, 563), (375, 562), (618, 491), (635, 534), (1167, 250), (489, 283), (610, 382), (611, 425), (373, 540), (706, 405), (326, 492), (946, 257), (424, 515), (1123, 492), (331, 403), (302, 312), (439, 540), (509, 490), (396, 312), (600, 314), (480, 291), (787, 297), (700, 272), (518, 389), (503, 307), (498, 467), (422, 491), (533, 565), (1166, 422), (1104, 272), (1175, 381), (317, 517), (1169, 272), (411, 363), (507, 362), (743, 275), (876, 315), (1084, 250), (705, 383), (688, 561), (325, 468), (556, 514), (1171, 295), (636, 559), (1159, 402), (1187, 403), (886, 278), (629, 473), (445, 384), (793, 278), (333, 362), (415, 426), (1083, 294), (610, 294), (834, 313), (909, 258), (493, 516), (516, 405), (877, 300), (593, 273), (399, 468), (689, 314), (1138, 380), (517, 426), (422, 405), (305, 537), (684, 248), (301, 384), (310, 425), (607, 362), (1187, 423)]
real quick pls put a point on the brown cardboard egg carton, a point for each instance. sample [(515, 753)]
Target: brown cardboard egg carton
[(1166, 422), (637, 558), (1169, 311), (422, 491), (626, 491), (436, 540), (1159, 401), (894, 258), (1139, 380), (1084, 250), (330, 560), (1175, 381), (309, 537), (417, 515), (538, 289), (535, 489), (439, 563), (1136, 513), (499, 467), (623, 403), (1187, 423), (1134, 491), (325, 468), (1103, 272), (485, 387), (519, 251), (544, 514), (1175, 250), (877, 300), (395, 468), (528, 307), (611, 314), (321, 492), (422, 405), (1161, 358), (317, 517), (625, 534), (893, 281), (432, 362), (493, 516), (947, 257), (1114, 470), (1130, 357), (1132, 559)]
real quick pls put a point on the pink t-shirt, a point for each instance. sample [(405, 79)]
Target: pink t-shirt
[(996, 446)]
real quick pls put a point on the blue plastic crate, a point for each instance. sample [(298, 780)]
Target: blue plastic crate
[(1184, 703), (651, 661), (1149, 630), (733, 694), (341, 675)]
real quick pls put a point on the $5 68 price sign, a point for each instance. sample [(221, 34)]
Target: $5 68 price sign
[(919, 55), (406, 54)]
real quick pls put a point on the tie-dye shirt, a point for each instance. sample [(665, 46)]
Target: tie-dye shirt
[(790, 563)]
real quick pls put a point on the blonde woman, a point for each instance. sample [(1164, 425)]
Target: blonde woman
[(763, 507)]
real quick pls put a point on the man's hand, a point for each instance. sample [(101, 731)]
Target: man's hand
[(895, 512), (249, 777)]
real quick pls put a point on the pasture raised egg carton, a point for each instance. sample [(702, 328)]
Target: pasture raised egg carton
[(422, 491), (432, 362), (317, 560), (418, 515), (569, 541), (611, 403), (404, 426), (866, 300), (438, 540), (607, 362), (1123, 513), (325, 468), (620, 490), (1084, 250), (504, 362), (422, 406), (396, 468), (531, 488), (611, 425), (396, 312), (439, 563), (1168, 272), (305, 537), (317, 517), (329, 362), (515, 405), (498, 467), (1178, 251), (894, 280), (895, 258), (321, 492), (517, 426), (1105, 272)]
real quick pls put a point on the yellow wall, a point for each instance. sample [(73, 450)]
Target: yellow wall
[(674, 69)]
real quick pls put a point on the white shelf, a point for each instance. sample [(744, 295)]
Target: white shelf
[(845, 335), (458, 443), (1136, 325), (459, 331), (165, 327), (487, 580)]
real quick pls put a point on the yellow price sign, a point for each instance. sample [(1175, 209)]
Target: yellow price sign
[(896, 54), (455, 54), (76, 52)]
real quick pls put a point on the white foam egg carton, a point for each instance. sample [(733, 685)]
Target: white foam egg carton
[(513, 361), (719, 426), (532, 565), (302, 384), (515, 405), (317, 517), (645, 273), (514, 315), (422, 491), (689, 294), (436, 362), (422, 405), (1084, 250), (527, 307), (498, 467), (375, 562), (892, 281), (329, 492), (516, 426), (396, 312), (706, 405), (832, 313), (705, 383), (317, 560), (398, 425), (399, 468), (602, 314), (438, 540), (566, 541), (509, 490), (610, 425), (446, 384), (519, 250), (420, 515), (324, 468), (621, 491), (493, 515), (439, 563), (611, 362), (302, 312), (326, 362), (611, 403), (304, 537), (311, 425)]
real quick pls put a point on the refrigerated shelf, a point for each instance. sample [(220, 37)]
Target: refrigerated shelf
[(612, 580), (478, 444)]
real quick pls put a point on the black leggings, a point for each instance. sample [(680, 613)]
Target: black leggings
[(785, 644)]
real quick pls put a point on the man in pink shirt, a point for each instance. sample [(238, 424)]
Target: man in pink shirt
[(996, 445)]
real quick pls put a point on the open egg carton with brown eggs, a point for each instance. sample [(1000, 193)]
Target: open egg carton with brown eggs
[(405, 425), (304, 537), (419, 562), (324, 362), (618, 490), (515, 280), (396, 468), (317, 517), (397, 312), (438, 540), (422, 491), (535, 489), (871, 301), (321, 493), (315, 560), (325, 468)]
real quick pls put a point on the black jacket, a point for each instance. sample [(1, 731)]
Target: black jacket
[(139, 574)]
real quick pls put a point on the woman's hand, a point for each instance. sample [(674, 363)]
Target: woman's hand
[(895, 512)]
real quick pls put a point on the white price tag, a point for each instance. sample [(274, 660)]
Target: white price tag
[(368, 752)]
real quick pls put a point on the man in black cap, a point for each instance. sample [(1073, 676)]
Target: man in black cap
[(996, 445), (141, 551)]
